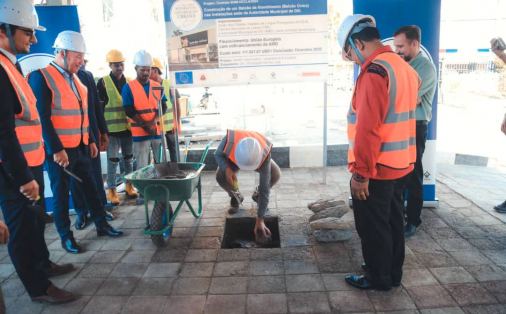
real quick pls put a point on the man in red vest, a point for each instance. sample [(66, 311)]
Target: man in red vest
[(382, 151), (247, 150), (62, 101), (22, 156)]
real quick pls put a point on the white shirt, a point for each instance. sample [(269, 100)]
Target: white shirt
[(9, 55)]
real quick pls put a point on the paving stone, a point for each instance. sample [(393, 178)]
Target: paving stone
[(418, 244), (212, 222), (136, 257), (441, 233), (337, 265), (187, 222), (304, 283), (180, 243), (446, 310), (266, 284), (183, 232), (226, 304), (497, 256), (142, 245), (107, 257), (487, 272), (470, 258), (68, 308), (485, 309), (486, 244), (431, 297), (118, 286), (449, 275), (129, 270), (186, 305), (485, 220), (308, 302), (266, 268), (295, 240), (84, 286), (418, 277), (265, 254), (154, 286), (197, 270), (105, 305), (206, 243), (228, 285), (224, 269), (23, 305), (96, 270), (169, 256), (297, 253), (145, 304), (455, 244), (118, 244), (233, 255), (295, 267), (350, 301), (394, 300), (497, 288), (471, 232), (470, 294), (6, 270), (431, 260), (162, 270), (335, 282), (331, 250), (209, 231), (266, 304), (191, 286), (201, 255)]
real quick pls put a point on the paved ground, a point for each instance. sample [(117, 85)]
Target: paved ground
[(455, 264)]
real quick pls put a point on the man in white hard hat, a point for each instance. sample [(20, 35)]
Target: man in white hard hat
[(120, 134), (382, 151), (247, 150), (407, 41), (62, 101), (22, 156), (142, 108)]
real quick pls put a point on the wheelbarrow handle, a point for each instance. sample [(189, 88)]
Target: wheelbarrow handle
[(205, 152)]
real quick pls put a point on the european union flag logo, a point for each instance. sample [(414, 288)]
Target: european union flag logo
[(184, 78)]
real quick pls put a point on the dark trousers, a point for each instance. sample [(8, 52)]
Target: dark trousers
[(171, 145), (414, 183), (80, 205), (61, 183), (380, 224), (27, 247)]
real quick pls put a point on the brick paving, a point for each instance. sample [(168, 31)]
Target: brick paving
[(456, 262)]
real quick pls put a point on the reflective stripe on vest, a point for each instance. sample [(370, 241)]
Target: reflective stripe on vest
[(235, 136), (28, 128), (68, 114), (114, 113), (398, 130), (168, 117), (146, 106)]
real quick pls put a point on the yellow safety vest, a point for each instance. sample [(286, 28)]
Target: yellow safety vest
[(168, 117), (114, 113)]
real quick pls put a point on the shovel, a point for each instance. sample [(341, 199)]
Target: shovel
[(163, 168)]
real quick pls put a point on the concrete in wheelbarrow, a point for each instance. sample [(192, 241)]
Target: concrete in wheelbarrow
[(456, 262)]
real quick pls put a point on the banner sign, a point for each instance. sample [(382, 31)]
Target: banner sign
[(426, 15), (212, 43)]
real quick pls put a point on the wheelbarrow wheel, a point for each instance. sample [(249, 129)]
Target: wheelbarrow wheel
[(158, 223)]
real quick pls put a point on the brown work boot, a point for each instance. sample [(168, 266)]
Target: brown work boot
[(57, 270), (130, 191), (55, 295), (113, 197)]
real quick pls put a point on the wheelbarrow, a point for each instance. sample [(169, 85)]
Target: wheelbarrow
[(162, 191)]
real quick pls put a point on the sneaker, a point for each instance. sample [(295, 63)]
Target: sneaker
[(501, 208), (233, 208), (140, 200), (409, 230)]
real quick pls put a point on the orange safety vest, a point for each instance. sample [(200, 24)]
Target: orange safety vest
[(398, 130), (235, 136), (68, 114), (28, 128), (146, 106)]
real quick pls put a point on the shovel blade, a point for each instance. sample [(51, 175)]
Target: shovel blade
[(169, 168)]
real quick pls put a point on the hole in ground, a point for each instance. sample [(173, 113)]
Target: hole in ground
[(239, 233)]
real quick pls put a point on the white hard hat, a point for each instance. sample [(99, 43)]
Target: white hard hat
[(19, 13), (248, 154), (353, 24), (143, 58), (70, 40)]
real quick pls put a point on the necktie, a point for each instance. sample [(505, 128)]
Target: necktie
[(18, 66)]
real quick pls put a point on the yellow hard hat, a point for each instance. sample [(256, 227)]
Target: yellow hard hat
[(114, 56), (157, 64)]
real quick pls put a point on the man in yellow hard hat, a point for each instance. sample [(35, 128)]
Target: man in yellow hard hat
[(168, 117), (120, 134)]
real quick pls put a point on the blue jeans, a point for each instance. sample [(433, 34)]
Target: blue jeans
[(61, 183), (126, 145), (27, 247), (80, 204)]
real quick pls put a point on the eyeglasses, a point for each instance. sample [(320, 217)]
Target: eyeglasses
[(28, 32), (348, 53)]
